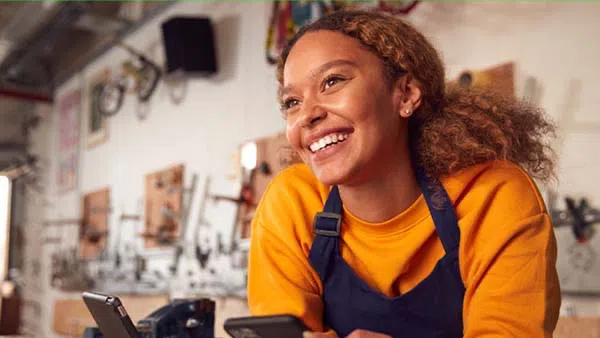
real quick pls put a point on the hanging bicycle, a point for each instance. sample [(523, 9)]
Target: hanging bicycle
[(142, 78)]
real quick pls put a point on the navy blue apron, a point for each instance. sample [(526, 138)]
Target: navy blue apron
[(431, 309)]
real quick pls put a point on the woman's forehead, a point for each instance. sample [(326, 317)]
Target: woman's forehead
[(314, 50), (323, 42)]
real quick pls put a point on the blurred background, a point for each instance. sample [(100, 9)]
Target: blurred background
[(137, 137)]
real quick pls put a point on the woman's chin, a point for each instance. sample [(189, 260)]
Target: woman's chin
[(329, 176)]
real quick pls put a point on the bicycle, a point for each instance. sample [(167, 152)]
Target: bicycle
[(145, 77)]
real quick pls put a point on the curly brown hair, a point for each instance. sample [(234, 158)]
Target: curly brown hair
[(454, 128)]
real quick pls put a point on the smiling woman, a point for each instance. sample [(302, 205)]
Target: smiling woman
[(414, 212)]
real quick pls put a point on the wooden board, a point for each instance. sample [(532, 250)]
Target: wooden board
[(577, 327), (93, 233), (71, 316), (164, 198), (498, 78), (275, 152)]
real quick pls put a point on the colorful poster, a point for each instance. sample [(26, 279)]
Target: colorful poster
[(68, 147)]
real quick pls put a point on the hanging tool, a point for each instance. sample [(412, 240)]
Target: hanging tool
[(582, 218), (183, 234)]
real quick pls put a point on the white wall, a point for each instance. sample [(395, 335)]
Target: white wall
[(554, 42)]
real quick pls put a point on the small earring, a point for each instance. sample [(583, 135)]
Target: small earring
[(407, 111)]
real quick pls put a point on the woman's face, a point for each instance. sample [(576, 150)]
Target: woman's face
[(343, 117)]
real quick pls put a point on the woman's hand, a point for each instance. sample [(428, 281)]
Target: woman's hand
[(367, 334), (354, 334)]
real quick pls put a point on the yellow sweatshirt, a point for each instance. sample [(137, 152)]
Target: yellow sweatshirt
[(507, 250)]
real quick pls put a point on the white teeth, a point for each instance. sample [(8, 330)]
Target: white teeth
[(327, 140)]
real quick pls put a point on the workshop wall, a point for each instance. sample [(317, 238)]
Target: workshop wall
[(204, 131)]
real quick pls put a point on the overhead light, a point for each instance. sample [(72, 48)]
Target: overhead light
[(100, 24), (133, 11), (5, 47), (47, 4), (249, 156)]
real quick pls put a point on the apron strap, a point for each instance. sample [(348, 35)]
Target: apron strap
[(328, 222), (327, 227), (442, 211)]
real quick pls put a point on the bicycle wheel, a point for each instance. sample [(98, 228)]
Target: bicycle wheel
[(110, 99), (147, 81)]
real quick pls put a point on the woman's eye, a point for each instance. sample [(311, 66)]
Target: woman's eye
[(331, 81), (289, 103)]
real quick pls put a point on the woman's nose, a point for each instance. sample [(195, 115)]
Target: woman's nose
[(312, 114)]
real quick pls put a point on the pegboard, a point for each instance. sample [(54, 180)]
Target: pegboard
[(577, 327), (273, 154), (578, 263), (93, 233), (499, 78), (164, 199)]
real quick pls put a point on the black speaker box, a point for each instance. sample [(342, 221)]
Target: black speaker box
[(190, 46)]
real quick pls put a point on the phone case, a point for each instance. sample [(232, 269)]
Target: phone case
[(110, 315)]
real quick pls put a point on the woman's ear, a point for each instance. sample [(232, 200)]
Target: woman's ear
[(409, 95)]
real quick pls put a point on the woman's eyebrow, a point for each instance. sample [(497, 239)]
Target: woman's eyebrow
[(320, 70)]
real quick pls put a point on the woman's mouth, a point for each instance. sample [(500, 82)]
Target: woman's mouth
[(328, 141)]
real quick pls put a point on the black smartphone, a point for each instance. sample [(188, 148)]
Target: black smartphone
[(110, 315), (276, 326)]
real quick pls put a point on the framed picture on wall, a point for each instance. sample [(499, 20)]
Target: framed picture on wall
[(96, 124), (68, 140)]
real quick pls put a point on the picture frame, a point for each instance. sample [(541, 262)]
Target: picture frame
[(96, 124), (69, 116)]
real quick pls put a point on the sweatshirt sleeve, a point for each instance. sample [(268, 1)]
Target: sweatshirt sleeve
[(512, 285), (279, 279)]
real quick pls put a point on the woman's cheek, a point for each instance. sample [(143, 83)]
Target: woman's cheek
[(293, 136)]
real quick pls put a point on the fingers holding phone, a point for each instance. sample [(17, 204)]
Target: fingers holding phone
[(309, 334), (265, 327), (278, 326), (367, 334), (354, 334)]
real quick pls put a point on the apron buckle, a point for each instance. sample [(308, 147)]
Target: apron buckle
[(323, 224)]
